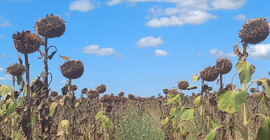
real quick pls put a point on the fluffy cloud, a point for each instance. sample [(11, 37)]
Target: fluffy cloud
[(2, 55), (4, 22), (159, 52), (149, 41), (240, 17), (6, 77), (228, 4), (218, 54), (1, 69), (192, 17), (260, 51), (184, 11), (96, 50), (81, 5), (113, 2)]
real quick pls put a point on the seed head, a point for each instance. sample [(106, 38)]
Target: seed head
[(223, 65), (121, 94), (26, 42), (101, 88), (72, 69), (16, 69), (54, 94), (209, 74), (183, 85), (254, 31), (50, 27), (84, 91)]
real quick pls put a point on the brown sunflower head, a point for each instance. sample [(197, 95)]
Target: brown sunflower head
[(50, 27), (209, 74), (54, 94), (121, 94), (26, 42), (16, 69), (223, 65), (101, 88), (183, 85), (72, 69), (254, 31), (84, 91)]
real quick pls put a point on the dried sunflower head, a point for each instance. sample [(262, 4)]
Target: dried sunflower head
[(183, 85), (209, 74), (26, 42), (223, 65), (16, 69), (254, 31), (50, 27), (101, 88), (72, 69)]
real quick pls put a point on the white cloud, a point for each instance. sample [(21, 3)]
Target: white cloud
[(96, 50), (4, 22), (81, 5), (184, 11), (113, 2), (6, 77), (159, 52), (240, 17), (193, 17), (1, 69), (149, 41), (228, 4), (260, 51), (218, 54)]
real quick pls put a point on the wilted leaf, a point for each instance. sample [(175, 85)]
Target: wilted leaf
[(165, 121), (195, 78), (77, 104), (197, 101), (187, 114), (53, 108), (231, 101), (191, 87), (266, 87), (65, 57), (264, 131), (65, 124), (19, 79), (5, 90), (245, 71)]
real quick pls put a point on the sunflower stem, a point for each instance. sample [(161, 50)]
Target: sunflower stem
[(46, 64), (29, 126), (69, 110)]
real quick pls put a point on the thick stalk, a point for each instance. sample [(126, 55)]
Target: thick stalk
[(245, 120), (12, 120), (202, 106), (46, 64), (29, 135), (220, 82), (69, 110)]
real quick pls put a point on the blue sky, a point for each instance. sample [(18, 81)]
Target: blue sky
[(136, 46)]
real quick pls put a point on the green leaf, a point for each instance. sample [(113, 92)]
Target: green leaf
[(181, 110), (164, 121), (264, 131), (197, 101), (34, 119), (17, 136), (266, 87), (19, 101), (177, 98), (11, 108), (211, 135), (5, 90), (19, 79), (187, 114), (231, 101), (195, 78), (245, 71), (173, 111), (213, 124), (53, 108), (174, 120), (99, 115)]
